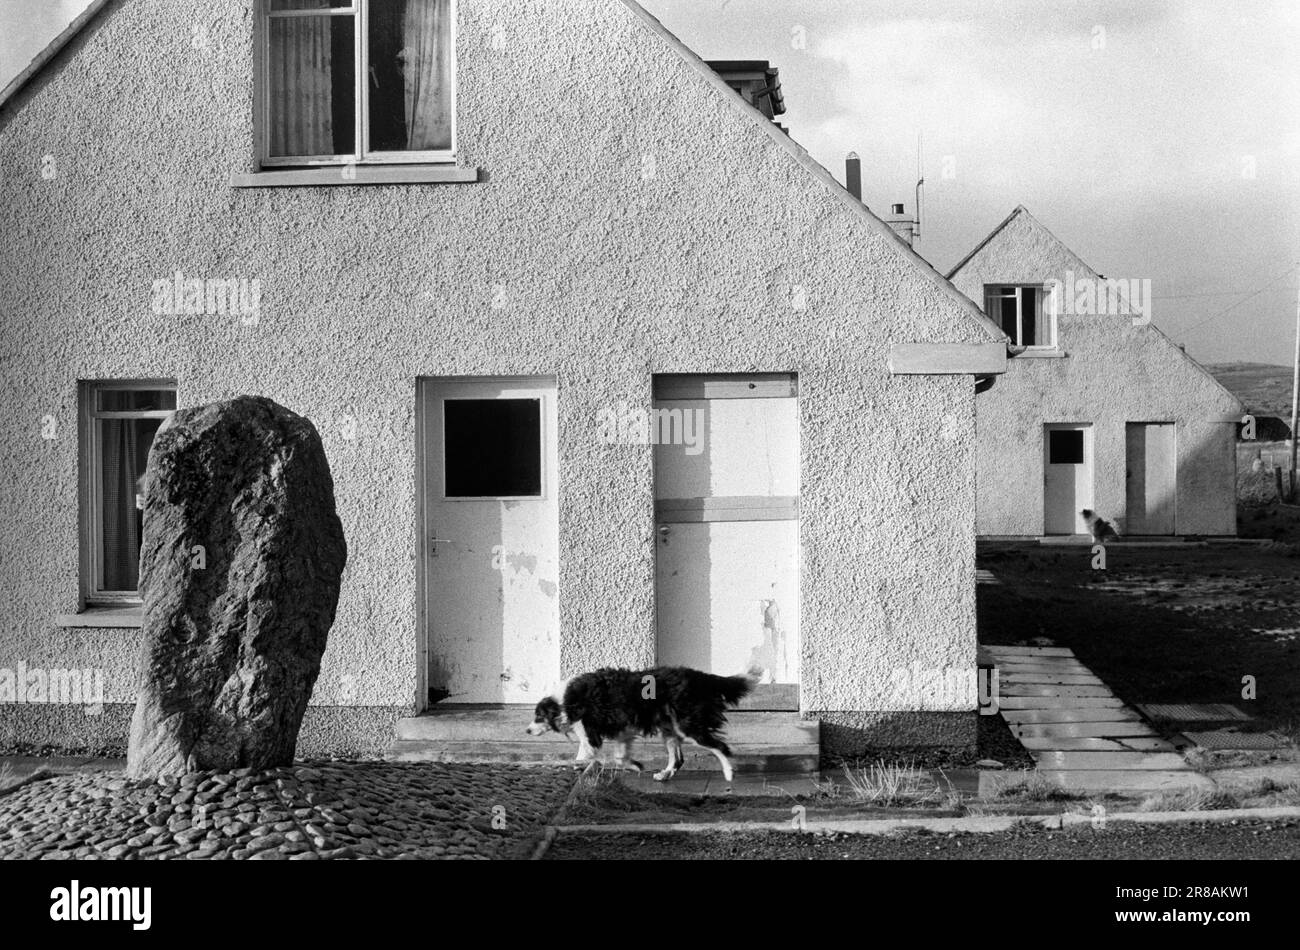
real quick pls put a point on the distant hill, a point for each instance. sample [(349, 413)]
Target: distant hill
[(1264, 388)]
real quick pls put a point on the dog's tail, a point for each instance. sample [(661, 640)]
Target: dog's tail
[(736, 688)]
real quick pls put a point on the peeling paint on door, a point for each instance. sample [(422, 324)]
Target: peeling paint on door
[(770, 658), (492, 620), (727, 545)]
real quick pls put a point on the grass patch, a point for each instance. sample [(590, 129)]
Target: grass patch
[(601, 794), (881, 783), (1035, 787), (1268, 793), (897, 784), (1191, 799)]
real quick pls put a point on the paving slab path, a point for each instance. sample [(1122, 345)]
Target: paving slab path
[(1080, 734)]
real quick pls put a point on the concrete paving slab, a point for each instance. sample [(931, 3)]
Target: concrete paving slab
[(1047, 678), (684, 783), (1058, 702), (1079, 692), (1099, 781), (1095, 744), (1091, 729), (1128, 780), (776, 784), (999, 650), (1047, 664), (1091, 761), (1041, 716)]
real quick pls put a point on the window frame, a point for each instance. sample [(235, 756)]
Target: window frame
[(359, 10), (1052, 439), (1046, 316), (543, 494), (92, 527)]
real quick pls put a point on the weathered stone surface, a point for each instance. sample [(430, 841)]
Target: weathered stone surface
[(241, 560)]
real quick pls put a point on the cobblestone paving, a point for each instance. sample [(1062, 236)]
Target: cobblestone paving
[(313, 811)]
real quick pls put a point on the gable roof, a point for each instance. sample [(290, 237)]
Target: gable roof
[(952, 272), (51, 50), (923, 267), (1022, 210), (800, 155)]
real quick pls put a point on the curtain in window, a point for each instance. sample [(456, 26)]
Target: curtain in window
[(301, 65), (426, 36), (123, 460)]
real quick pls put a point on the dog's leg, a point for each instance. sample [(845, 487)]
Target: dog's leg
[(719, 749), (621, 759), (674, 748), (586, 754), (725, 762), (636, 766)]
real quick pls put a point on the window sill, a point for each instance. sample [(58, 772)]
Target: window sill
[(336, 176), (103, 617), (1043, 354)]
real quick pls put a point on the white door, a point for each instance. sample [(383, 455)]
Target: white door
[(491, 539), (1152, 477), (727, 510), (1067, 478)]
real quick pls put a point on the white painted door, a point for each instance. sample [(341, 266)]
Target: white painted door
[(1152, 477), (1067, 478), (491, 545), (727, 509)]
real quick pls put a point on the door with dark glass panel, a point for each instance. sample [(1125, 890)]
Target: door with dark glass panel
[(490, 549)]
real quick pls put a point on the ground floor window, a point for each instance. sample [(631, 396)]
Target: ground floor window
[(119, 421)]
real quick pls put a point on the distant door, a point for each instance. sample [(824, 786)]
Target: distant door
[(491, 545), (1152, 484), (727, 545), (1067, 478)]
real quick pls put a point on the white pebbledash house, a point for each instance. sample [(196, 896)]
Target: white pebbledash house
[(608, 370), (1098, 409)]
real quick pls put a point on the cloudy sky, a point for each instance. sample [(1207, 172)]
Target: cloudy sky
[(1158, 139)]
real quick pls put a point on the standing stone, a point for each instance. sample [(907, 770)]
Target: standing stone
[(240, 563)]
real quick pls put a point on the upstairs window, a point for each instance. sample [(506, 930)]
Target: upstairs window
[(1023, 314), (357, 81)]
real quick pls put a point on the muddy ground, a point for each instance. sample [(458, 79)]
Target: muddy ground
[(1164, 625)]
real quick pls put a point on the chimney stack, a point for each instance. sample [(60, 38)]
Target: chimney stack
[(853, 175), (904, 226)]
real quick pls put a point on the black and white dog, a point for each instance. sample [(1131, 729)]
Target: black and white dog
[(617, 706)]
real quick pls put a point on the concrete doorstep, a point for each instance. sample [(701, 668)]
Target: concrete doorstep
[(975, 824)]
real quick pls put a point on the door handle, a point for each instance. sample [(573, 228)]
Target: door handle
[(434, 542), (663, 531)]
